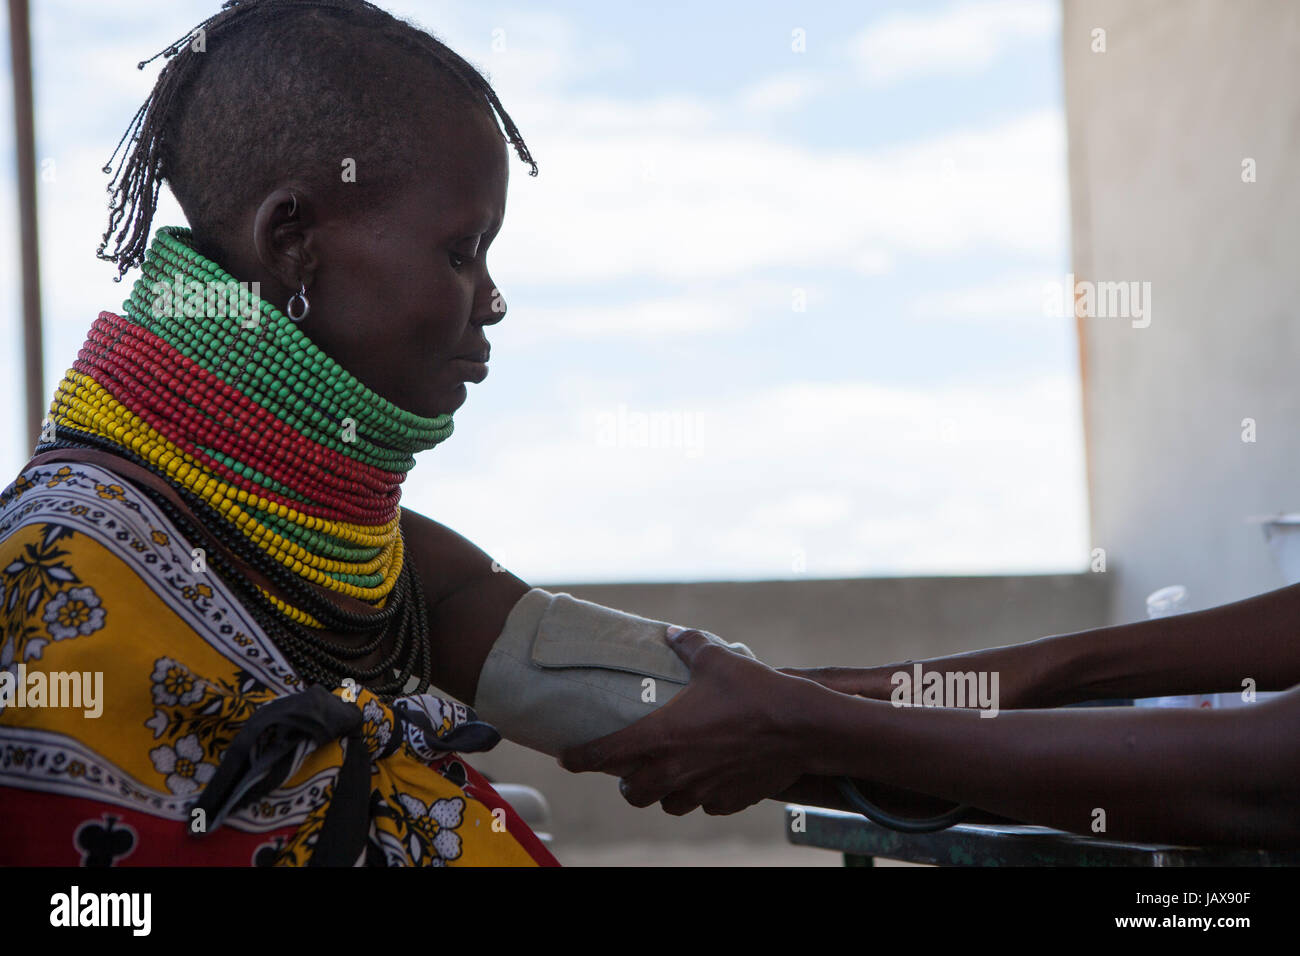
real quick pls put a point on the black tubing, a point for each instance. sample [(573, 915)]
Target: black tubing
[(849, 791)]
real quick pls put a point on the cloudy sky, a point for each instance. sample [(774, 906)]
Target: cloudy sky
[(773, 311)]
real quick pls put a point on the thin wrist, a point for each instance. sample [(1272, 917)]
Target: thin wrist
[(792, 719), (1035, 674), (1073, 668), (815, 729)]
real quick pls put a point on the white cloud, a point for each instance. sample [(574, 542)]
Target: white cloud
[(712, 308), (860, 478), (873, 262), (961, 38), (660, 202), (783, 91), (1008, 299)]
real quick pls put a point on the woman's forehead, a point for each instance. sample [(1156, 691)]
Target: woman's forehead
[(464, 185)]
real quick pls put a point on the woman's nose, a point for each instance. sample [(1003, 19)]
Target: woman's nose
[(495, 309)]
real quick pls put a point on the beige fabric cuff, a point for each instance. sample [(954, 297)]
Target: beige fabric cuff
[(565, 671)]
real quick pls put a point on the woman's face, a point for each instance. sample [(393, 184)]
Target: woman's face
[(399, 298)]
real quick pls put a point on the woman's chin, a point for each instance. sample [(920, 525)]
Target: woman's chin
[(431, 403), (446, 402)]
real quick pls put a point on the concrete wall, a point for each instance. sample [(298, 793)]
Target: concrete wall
[(1159, 125), (792, 623)]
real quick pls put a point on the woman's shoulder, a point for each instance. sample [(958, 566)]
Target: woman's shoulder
[(70, 533), (85, 496), (83, 551)]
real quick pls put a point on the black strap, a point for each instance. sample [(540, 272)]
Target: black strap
[(261, 756)]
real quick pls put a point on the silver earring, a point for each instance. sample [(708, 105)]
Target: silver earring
[(299, 296)]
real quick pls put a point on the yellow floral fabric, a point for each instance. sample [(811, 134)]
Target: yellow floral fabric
[(96, 582)]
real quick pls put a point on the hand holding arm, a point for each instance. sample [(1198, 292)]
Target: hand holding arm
[(742, 731), (722, 741)]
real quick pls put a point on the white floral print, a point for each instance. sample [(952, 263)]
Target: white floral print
[(183, 765), (72, 612), (173, 684)]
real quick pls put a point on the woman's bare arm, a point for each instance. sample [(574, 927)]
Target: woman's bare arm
[(469, 597)]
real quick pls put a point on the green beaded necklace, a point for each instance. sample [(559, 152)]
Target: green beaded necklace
[(278, 366)]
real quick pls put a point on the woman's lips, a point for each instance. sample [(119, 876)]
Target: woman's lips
[(469, 370)]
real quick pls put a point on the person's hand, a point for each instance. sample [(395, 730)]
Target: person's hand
[(724, 742)]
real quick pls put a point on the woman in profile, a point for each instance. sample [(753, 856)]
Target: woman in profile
[(210, 531)]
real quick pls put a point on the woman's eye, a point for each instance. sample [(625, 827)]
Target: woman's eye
[(457, 260)]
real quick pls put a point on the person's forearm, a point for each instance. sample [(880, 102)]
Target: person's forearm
[(1210, 651), (1167, 775)]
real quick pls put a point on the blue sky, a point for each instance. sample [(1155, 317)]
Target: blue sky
[(903, 178)]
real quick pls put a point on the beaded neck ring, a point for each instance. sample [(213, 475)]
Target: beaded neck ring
[(283, 456)]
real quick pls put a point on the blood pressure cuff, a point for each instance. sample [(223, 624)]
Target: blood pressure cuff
[(566, 671)]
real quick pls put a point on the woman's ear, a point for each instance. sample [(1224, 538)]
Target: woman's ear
[(282, 236)]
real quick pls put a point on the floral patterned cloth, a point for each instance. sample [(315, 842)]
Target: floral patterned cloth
[(97, 587)]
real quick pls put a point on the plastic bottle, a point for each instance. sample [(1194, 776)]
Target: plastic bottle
[(1168, 602)]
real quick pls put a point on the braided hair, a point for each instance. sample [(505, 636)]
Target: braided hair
[(269, 89)]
